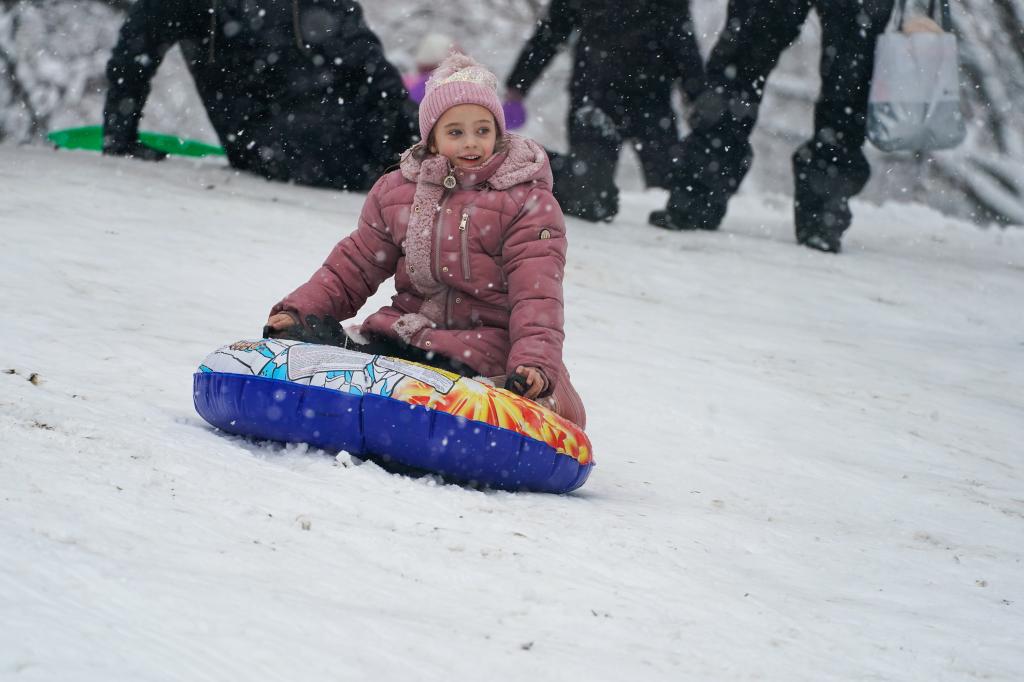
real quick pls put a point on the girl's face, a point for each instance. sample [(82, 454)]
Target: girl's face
[(466, 135)]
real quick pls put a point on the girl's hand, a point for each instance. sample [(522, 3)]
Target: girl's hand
[(535, 381), (278, 323)]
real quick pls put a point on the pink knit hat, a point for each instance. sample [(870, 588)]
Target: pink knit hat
[(459, 79)]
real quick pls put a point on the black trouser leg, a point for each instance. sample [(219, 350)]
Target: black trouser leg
[(655, 135), (298, 148), (329, 156), (396, 349), (328, 331), (830, 168), (716, 155), (585, 177)]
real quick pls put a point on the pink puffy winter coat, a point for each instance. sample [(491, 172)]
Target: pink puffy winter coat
[(478, 268)]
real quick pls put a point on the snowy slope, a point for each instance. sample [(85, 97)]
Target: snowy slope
[(809, 467)]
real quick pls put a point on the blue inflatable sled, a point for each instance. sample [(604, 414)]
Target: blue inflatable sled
[(392, 411)]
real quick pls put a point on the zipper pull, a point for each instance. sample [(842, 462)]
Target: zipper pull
[(449, 180), (464, 221)]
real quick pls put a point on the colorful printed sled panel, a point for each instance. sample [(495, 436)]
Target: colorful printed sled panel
[(372, 405)]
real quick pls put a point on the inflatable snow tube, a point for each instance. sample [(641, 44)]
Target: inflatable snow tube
[(390, 410)]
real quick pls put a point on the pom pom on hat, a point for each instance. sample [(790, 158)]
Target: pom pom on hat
[(459, 79), (458, 67)]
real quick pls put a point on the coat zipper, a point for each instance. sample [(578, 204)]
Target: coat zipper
[(437, 238), (437, 261), (464, 236)]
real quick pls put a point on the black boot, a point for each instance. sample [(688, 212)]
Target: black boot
[(587, 203), (689, 209), (663, 219), (820, 241), (678, 221), (585, 178), (708, 174), (825, 178)]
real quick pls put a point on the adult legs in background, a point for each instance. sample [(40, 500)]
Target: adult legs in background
[(716, 155), (298, 148), (830, 168), (652, 126)]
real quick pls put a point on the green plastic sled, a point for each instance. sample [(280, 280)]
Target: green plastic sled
[(91, 138)]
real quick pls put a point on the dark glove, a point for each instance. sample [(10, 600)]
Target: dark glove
[(515, 113), (327, 331), (517, 384), (133, 150)]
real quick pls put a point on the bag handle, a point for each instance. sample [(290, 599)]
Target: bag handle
[(945, 18)]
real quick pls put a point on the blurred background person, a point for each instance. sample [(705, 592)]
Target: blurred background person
[(828, 169), (431, 51), (626, 59), (287, 86)]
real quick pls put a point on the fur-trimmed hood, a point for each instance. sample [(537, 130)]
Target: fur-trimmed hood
[(522, 160)]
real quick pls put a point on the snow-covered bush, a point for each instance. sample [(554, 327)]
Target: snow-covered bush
[(52, 58)]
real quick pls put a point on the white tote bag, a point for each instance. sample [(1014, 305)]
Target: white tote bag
[(914, 103)]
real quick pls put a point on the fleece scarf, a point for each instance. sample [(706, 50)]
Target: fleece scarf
[(522, 160)]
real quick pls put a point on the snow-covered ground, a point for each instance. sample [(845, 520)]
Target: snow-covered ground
[(809, 467)]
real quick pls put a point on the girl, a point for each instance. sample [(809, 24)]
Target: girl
[(476, 242)]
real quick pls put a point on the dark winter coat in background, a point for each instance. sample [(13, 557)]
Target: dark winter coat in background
[(296, 89), (627, 57), (630, 51), (478, 268)]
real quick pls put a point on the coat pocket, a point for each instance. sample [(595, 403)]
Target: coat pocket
[(484, 314)]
